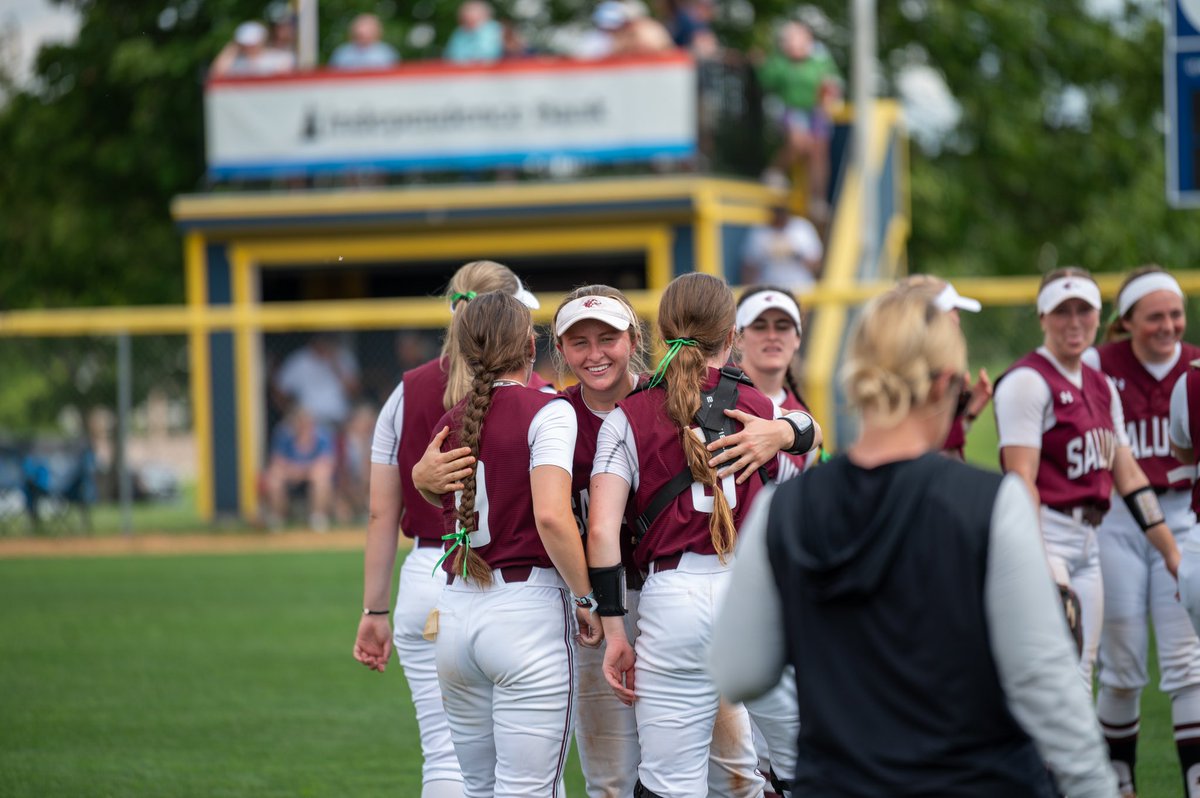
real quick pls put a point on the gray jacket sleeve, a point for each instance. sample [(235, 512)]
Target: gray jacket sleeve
[(750, 617), (1034, 655)]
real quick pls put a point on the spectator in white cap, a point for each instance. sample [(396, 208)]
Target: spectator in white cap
[(248, 55), (976, 393)]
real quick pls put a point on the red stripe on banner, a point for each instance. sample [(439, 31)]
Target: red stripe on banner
[(427, 69)]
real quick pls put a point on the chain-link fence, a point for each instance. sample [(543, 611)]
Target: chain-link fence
[(79, 434)]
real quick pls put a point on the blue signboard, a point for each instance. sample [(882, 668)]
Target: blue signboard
[(1182, 94)]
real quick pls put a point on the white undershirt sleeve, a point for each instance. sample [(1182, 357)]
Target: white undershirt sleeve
[(1022, 402), (1118, 414), (750, 617), (1035, 657), (552, 436), (1181, 431), (385, 445), (616, 449)]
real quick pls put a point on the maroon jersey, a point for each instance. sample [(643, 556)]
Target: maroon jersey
[(956, 438), (792, 402), (585, 457), (1193, 406), (1078, 451), (506, 533), (1147, 405), (424, 387), (683, 525)]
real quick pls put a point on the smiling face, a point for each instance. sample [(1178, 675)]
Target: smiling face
[(598, 356), (769, 343), (1070, 328), (1156, 323)]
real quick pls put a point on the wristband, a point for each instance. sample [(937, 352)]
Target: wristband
[(608, 586), (367, 611), (803, 430), (587, 602), (1144, 507)]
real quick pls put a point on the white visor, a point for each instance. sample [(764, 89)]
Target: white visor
[(949, 300), (760, 303), (527, 298), (1146, 284), (1056, 292), (601, 308)]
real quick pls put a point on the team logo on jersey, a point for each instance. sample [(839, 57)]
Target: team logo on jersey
[(1095, 450), (591, 303), (1066, 397)]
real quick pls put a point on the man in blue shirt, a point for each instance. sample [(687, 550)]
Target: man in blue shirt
[(478, 39)]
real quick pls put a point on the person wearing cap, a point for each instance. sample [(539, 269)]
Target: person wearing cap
[(1062, 430), (976, 394), (1144, 355), (249, 55)]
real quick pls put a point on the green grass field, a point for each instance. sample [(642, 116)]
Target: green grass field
[(228, 676)]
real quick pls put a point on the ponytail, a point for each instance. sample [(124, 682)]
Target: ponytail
[(478, 400)]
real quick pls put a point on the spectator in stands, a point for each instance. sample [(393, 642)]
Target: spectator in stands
[(249, 56), (355, 464), (283, 28), (515, 45), (690, 25), (802, 74), (787, 252), (365, 50), (478, 39), (322, 378), (622, 29), (302, 458)]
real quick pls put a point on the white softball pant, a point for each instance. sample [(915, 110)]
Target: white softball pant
[(677, 701), (1189, 577), (418, 594), (1074, 558), (1136, 582), (775, 717), (606, 729), (506, 664)]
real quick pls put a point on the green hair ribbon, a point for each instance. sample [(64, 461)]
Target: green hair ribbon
[(674, 345), (458, 296), (461, 537)]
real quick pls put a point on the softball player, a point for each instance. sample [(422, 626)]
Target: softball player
[(506, 621), (1144, 357), (687, 541), (401, 433), (1185, 431), (1062, 431)]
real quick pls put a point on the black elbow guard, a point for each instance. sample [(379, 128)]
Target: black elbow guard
[(608, 586), (1144, 507)]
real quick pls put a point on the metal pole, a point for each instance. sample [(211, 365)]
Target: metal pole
[(863, 93), (124, 401), (306, 34)]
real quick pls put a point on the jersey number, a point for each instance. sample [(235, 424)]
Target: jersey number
[(482, 534), (703, 502)]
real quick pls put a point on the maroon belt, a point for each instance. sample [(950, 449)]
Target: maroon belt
[(511, 574), (428, 543), (1091, 514), (668, 563)]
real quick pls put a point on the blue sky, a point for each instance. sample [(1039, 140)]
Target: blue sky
[(36, 21)]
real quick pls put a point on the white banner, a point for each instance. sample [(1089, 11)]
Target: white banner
[(437, 116)]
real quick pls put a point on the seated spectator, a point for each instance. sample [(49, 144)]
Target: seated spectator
[(322, 378), (355, 466), (365, 50), (786, 252), (515, 44), (249, 56), (690, 25), (283, 28), (478, 39), (302, 457), (628, 29), (802, 74)]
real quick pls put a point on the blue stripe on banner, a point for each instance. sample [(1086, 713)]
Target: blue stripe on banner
[(251, 169)]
